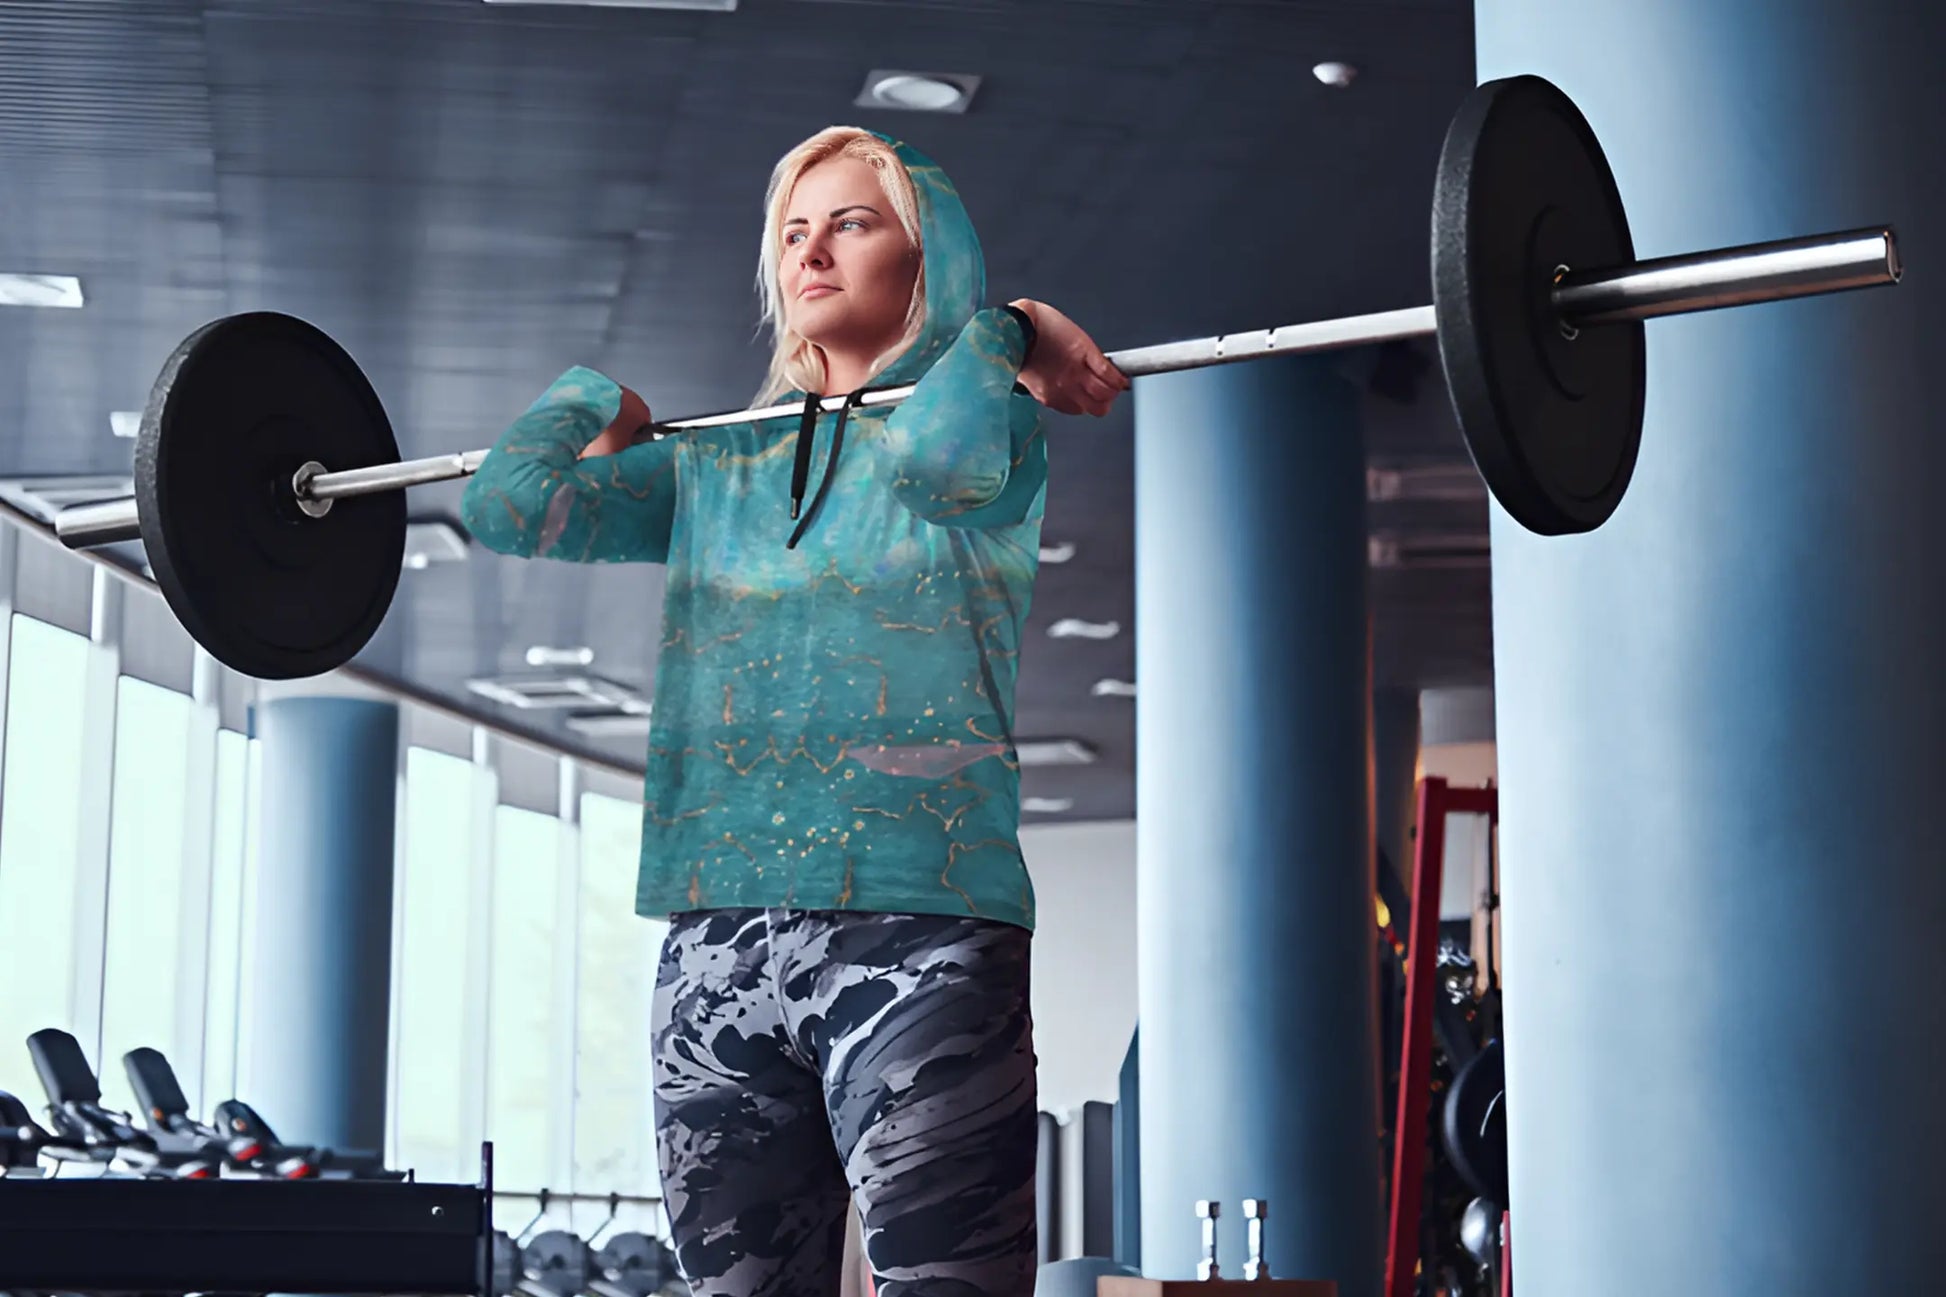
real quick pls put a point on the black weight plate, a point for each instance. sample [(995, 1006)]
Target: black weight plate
[(1554, 424), (238, 408), (1474, 1123), (632, 1263), (556, 1260)]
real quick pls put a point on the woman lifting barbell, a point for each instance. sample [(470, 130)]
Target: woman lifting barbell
[(832, 793)]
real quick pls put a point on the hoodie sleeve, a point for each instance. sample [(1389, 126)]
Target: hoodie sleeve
[(534, 498), (965, 449)]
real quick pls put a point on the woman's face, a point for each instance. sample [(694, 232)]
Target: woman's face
[(845, 267)]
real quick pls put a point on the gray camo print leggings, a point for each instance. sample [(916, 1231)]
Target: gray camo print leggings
[(802, 1057)]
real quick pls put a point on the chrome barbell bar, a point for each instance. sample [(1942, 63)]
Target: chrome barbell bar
[(1642, 290)]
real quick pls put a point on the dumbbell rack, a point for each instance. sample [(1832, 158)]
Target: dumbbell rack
[(253, 1236)]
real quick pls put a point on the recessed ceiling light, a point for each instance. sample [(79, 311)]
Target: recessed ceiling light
[(1046, 805), (1057, 553), (40, 290), (1075, 628), (920, 92), (715, 6), (1113, 689), (125, 423), (542, 656), (1054, 752), (1335, 75)]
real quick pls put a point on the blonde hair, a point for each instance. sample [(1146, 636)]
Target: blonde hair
[(796, 362)]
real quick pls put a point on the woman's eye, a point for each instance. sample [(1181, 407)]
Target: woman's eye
[(851, 220)]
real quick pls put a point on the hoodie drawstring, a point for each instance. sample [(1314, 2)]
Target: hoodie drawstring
[(801, 468)]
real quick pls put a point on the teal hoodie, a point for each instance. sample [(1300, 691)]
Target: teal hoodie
[(833, 721)]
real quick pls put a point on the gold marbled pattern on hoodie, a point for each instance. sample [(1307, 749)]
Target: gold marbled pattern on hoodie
[(832, 724)]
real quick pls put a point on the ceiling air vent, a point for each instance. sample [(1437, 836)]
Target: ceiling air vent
[(609, 725), (43, 497), (546, 693)]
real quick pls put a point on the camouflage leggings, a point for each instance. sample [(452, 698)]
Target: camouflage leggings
[(801, 1056)]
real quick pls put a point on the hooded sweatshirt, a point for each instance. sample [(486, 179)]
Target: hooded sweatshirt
[(833, 718)]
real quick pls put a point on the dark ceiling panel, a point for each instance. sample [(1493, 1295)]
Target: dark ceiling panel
[(106, 173)]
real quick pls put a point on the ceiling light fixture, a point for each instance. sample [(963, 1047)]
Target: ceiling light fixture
[(1113, 689), (609, 725), (542, 656), (714, 6), (1060, 553), (1046, 805), (125, 423), (1075, 628), (40, 290), (566, 692), (918, 92), (1335, 75), (1054, 752)]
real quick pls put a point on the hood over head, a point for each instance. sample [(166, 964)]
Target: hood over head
[(955, 283), (955, 268), (956, 271)]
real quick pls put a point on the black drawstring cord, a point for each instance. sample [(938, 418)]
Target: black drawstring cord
[(830, 463), (801, 470)]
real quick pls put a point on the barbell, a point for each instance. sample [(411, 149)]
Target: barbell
[(269, 496)]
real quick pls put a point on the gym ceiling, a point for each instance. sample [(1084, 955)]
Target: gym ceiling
[(472, 196)]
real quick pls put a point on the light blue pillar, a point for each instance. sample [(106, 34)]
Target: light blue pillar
[(1722, 727), (1254, 836), (1128, 1155), (320, 979)]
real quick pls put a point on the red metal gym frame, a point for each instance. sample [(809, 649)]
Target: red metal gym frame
[(1436, 801), (1506, 1254)]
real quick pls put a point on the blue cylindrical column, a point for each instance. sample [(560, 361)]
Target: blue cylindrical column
[(1722, 728), (1254, 861), (1128, 1155), (320, 978), (1395, 773)]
